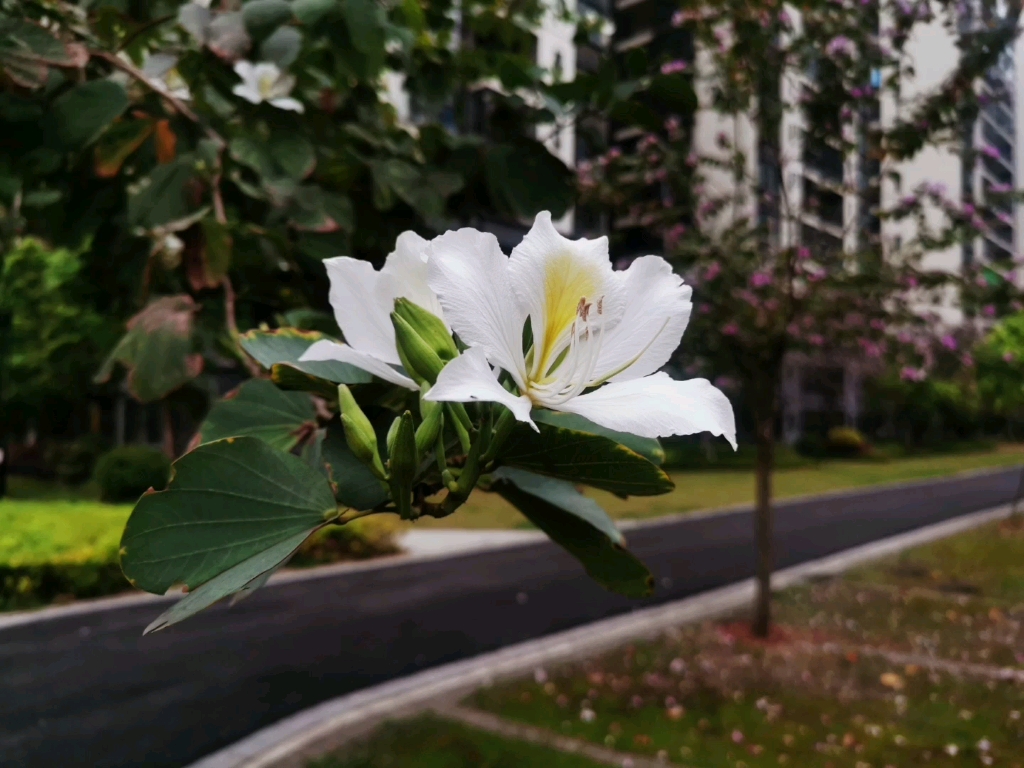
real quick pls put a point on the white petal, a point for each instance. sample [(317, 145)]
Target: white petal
[(658, 406), (248, 92), (656, 310), (405, 273), (469, 378), (159, 64), (549, 275), (332, 350), (469, 274), (247, 71), (265, 69), (362, 311), (293, 105)]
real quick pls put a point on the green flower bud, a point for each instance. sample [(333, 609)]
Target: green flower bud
[(430, 427), (359, 434), (403, 463), (420, 361), (429, 327)]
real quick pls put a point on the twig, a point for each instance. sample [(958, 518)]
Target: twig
[(143, 29)]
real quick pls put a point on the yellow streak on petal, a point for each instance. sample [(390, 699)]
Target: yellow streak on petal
[(566, 280)]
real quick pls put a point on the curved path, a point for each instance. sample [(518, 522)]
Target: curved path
[(87, 689)]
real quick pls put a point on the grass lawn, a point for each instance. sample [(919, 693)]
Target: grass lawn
[(429, 742), (34, 532), (722, 488), (908, 662)]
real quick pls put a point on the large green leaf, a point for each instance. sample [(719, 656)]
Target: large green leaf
[(157, 349), (282, 47), (354, 484), (259, 409), (312, 11), (585, 458), (161, 198), (227, 502), (579, 525), (80, 115), (648, 447), (524, 178), (242, 578), (286, 345), (262, 16)]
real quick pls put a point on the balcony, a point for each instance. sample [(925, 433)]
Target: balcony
[(824, 160), (823, 203)]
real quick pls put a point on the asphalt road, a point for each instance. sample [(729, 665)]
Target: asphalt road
[(89, 690)]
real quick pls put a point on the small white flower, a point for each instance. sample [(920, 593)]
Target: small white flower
[(163, 67), (952, 750), (598, 336), (266, 82), (587, 715), (363, 299), (201, 3), (984, 745)]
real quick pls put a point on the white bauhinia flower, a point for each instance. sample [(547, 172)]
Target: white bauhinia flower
[(164, 67), (266, 82), (596, 336), (363, 299)]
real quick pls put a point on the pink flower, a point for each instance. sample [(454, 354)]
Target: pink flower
[(909, 201), (760, 280), (803, 253), (614, 153), (675, 233), (911, 281), (673, 67), (989, 310), (912, 374), (949, 342), (816, 339), (904, 337), (840, 45), (679, 18), (967, 360), (989, 151), (714, 269), (793, 329), (968, 209), (877, 325), (730, 329), (1008, 357)]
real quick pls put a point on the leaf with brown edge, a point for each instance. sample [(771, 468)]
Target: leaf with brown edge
[(157, 349), (119, 143), (166, 142), (259, 409)]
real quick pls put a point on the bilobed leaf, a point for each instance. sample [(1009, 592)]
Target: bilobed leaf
[(282, 47), (261, 16), (581, 457), (286, 345), (157, 349), (354, 484), (241, 579), (524, 177), (648, 447), (227, 502), (259, 409), (310, 12), (80, 115), (161, 197), (579, 525), (118, 144), (293, 154)]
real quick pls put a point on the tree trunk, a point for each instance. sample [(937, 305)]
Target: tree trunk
[(763, 524)]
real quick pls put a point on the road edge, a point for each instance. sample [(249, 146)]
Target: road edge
[(308, 734)]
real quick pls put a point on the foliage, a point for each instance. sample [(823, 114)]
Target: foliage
[(846, 441), (1000, 373), (139, 130), (55, 335), (127, 472), (74, 462)]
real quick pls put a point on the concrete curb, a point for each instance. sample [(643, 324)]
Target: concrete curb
[(322, 728)]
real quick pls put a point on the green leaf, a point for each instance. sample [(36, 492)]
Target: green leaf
[(579, 525), (118, 144), (524, 178), (161, 197), (353, 482), (310, 12), (243, 578), (261, 16), (227, 502), (217, 252), (286, 345), (80, 115), (252, 154), (648, 447), (157, 349), (580, 457), (366, 20), (259, 409), (294, 154), (282, 47)]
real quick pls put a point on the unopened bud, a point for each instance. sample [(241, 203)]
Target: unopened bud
[(359, 434), (403, 463), (420, 361), (429, 327), (430, 427)]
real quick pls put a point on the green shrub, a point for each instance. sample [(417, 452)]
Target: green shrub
[(127, 472), (846, 441), (74, 462), (357, 540)]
